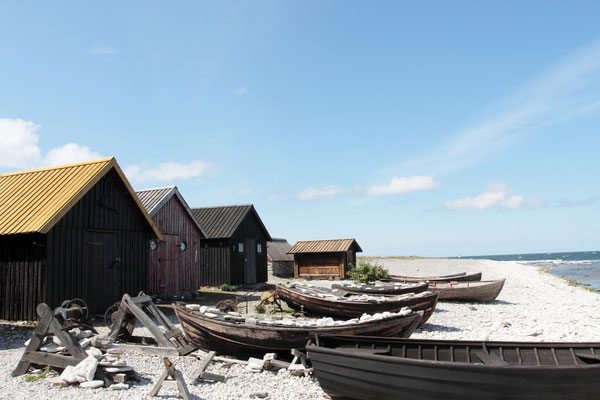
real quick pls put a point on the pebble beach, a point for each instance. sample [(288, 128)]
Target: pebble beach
[(533, 306)]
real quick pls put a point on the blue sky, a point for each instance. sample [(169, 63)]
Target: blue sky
[(438, 129)]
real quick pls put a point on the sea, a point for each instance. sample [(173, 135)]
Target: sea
[(580, 266)]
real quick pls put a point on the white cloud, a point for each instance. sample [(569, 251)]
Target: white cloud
[(399, 185), (274, 197), (19, 143), (69, 153), (168, 171), (566, 90), (243, 190), (496, 196), (240, 91), (102, 50), (320, 192)]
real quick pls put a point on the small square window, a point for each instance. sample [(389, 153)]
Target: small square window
[(241, 247), (259, 248)]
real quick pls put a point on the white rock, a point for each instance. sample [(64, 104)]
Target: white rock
[(114, 370), (91, 384), (56, 340), (92, 351), (119, 386), (210, 315), (85, 334), (193, 307), (49, 348), (114, 349), (27, 342), (203, 309), (85, 342)]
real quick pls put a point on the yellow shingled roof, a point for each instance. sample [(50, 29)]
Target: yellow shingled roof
[(35, 200)]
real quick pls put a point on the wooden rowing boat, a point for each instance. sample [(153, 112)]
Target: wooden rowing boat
[(239, 334), (482, 291), (365, 368), (382, 288), (459, 277), (326, 302)]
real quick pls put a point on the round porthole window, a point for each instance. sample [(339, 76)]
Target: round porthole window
[(153, 245), (182, 246)]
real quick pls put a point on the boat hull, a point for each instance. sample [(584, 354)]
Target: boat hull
[(461, 277), (346, 309), (482, 291), (383, 289), (353, 376), (235, 338)]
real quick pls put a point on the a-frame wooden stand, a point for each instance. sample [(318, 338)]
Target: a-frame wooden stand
[(170, 339), (171, 377), (32, 355)]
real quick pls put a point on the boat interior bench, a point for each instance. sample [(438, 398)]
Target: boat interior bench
[(367, 351), (490, 358)]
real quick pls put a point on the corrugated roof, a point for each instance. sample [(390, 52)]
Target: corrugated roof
[(154, 199), (277, 250), (324, 246), (35, 200), (221, 222)]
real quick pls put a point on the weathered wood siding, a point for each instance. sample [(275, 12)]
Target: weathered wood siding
[(172, 270), (215, 261), (22, 274), (248, 228), (99, 250), (319, 265)]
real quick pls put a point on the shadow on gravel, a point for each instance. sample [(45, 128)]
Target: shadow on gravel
[(13, 336), (503, 302), (442, 328)]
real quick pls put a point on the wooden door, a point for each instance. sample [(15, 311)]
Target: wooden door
[(169, 262), (250, 260), (104, 269)]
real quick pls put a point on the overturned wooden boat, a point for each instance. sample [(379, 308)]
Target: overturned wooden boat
[(341, 304), (365, 368), (482, 291), (232, 333), (382, 288), (459, 277)]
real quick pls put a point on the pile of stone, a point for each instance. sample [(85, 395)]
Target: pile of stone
[(102, 353)]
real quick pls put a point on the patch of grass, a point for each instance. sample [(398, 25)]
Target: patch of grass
[(367, 273), (42, 375), (473, 308), (227, 288), (260, 309)]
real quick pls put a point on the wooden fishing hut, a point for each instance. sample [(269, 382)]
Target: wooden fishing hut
[(235, 251), (174, 260), (72, 231), (279, 262), (324, 259)]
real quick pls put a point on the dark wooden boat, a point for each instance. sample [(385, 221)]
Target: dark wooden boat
[(382, 288), (369, 368), (324, 301), (459, 277), (482, 291), (235, 336)]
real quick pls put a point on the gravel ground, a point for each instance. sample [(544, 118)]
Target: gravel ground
[(533, 306)]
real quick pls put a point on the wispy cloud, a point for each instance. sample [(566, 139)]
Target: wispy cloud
[(102, 50), (240, 91), (320, 192), (243, 191), (19, 147), (275, 196), (567, 90), (400, 185), (496, 196), (168, 171), (590, 201)]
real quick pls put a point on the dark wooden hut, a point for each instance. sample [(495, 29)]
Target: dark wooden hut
[(235, 251), (174, 261), (73, 231), (324, 259), (279, 262)]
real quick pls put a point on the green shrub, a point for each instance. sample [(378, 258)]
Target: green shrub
[(260, 309), (227, 288), (367, 273)]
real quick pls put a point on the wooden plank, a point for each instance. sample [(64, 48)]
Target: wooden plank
[(204, 364), (38, 336), (209, 376), (54, 360), (159, 384), (148, 323), (490, 358)]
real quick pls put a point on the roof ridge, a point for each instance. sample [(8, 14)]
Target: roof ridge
[(30, 171), (232, 205), (156, 188), (325, 240)]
